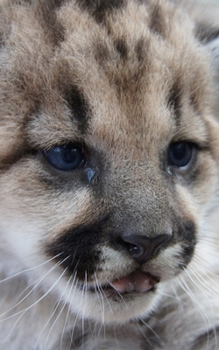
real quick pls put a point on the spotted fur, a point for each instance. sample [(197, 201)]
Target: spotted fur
[(122, 81)]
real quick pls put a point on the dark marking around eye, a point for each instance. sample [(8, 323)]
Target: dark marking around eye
[(174, 100), (99, 8), (78, 105), (122, 48)]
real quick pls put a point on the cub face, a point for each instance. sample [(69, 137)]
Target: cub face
[(107, 148)]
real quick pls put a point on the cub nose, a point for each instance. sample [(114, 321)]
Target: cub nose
[(143, 248)]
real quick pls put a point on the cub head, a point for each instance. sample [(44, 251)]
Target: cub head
[(109, 153)]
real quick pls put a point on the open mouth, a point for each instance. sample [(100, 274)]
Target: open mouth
[(137, 281)]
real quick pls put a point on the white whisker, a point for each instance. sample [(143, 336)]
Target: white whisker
[(68, 311), (61, 309), (28, 270), (31, 290), (22, 312)]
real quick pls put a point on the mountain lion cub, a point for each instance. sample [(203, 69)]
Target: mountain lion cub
[(109, 176)]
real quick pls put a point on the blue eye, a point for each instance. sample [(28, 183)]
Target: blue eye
[(66, 158), (180, 154)]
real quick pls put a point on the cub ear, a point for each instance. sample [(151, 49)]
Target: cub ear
[(209, 37), (205, 33)]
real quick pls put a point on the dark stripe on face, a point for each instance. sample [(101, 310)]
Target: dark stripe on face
[(99, 8), (174, 101), (75, 100), (78, 106), (78, 248)]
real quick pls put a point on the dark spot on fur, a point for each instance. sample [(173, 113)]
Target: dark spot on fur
[(207, 340), (174, 101), (140, 50), (99, 8), (24, 2), (78, 249), (188, 231), (101, 53), (121, 48), (53, 29), (185, 258), (157, 24), (2, 41), (187, 238)]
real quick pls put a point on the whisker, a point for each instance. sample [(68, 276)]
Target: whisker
[(195, 300), (51, 316), (31, 290), (99, 292), (30, 269), (120, 295), (150, 328), (23, 312), (62, 308), (42, 297), (143, 334), (68, 311)]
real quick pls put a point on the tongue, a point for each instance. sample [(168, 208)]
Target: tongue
[(137, 281)]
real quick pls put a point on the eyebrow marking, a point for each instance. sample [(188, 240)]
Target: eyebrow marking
[(78, 105), (175, 100)]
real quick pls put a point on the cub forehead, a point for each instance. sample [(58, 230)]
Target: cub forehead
[(123, 63)]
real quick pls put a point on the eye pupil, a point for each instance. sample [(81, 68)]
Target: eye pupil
[(66, 157), (180, 154)]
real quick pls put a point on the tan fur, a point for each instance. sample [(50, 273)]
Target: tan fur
[(125, 83)]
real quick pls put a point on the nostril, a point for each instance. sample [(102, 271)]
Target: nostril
[(143, 248), (134, 250)]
